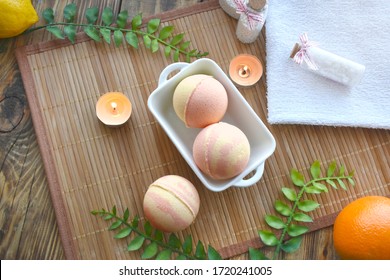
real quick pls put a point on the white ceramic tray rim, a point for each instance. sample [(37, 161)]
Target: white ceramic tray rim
[(239, 113)]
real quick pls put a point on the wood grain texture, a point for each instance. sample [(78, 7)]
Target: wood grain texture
[(28, 228), (28, 225)]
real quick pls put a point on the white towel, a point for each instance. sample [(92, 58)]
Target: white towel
[(358, 30)]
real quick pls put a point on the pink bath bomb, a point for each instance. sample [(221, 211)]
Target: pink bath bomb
[(200, 100), (221, 150), (171, 203)]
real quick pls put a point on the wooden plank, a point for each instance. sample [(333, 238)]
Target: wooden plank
[(28, 224)]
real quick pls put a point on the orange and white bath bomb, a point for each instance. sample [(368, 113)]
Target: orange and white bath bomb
[(200, 100), (221, 151), (171, 203)]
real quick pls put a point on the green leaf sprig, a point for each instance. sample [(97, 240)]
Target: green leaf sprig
[(120, 30), (153, 241), (292, 214)]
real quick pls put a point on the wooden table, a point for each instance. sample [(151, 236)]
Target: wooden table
[(28, 228)]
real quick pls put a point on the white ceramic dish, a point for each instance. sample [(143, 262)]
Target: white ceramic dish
[(239, 113)]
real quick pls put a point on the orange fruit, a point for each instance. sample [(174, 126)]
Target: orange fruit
[(362, 229)]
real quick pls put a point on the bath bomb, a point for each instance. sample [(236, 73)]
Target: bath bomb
[(171, 203), (200, 100), (221, 150)]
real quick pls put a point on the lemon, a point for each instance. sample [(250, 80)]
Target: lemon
[(15, 17)]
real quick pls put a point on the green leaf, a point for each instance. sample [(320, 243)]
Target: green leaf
[(113, 210), (297, 178), (115, 225), (108, 217), (56, 32), (158, 235), (148, 228), (167, 51), (106, 34), (118, 37), (187, 245), (351, 181), (315, 169), (274, 222), (307, 205), (342, 184), (320, 186), (181, 257), (292, 244), (173, 241), (92, 14), (342, 170), (123, 233), (255, 254), (176, 56), (92, 33), (153, 25), (154, 46), (164, 255), (199, 54), (165, 32), (136, 243), (332, 183), (135, 221), (70, 32), (268, 238), (70, 12), (312, 189), (331, 168), (121, 20), (126, 215), (132, 39), (48, 15), (136, 22), (213, 254), (200, 253), (147, 41), (193, 52), (282, 208), (107, 16), (301, 217), (290, 194), (177, 39), (185, 45), (150, 251), (296, 230)]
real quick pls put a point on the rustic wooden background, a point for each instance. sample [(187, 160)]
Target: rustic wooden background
[(28, 227)]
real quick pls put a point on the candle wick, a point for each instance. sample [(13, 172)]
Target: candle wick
[(244, 71), (114, 107)]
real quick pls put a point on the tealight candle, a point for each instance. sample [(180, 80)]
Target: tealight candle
[(113, 108), (245, 70)]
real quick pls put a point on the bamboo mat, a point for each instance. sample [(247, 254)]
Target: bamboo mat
[(90, 166)]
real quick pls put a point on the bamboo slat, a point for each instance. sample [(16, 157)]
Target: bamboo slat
[(90, 166)]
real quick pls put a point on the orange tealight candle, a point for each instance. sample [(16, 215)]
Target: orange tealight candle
[(113, 108), (245, 70)]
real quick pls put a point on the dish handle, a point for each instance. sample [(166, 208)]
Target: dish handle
[(178, 66), (252, 180)]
